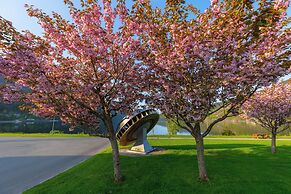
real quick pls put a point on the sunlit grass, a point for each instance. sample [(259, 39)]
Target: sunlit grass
[(244, 166)]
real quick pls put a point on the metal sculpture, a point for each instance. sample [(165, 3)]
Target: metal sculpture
[(134, 128)]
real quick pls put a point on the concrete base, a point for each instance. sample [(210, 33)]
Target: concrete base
[(156, 151), (125, 152), (142, 144)]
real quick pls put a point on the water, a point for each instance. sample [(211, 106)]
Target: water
[(159, 130), (236, 125), (32, 126), (163, 130)]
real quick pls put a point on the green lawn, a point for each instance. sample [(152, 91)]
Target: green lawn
[(210, 136), (41, 135), (245, 166), (150, 136)]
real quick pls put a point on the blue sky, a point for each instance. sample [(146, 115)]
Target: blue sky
[(14, 11)]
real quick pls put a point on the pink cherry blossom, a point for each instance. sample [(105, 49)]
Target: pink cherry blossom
[(79, 71), (212, 63), (271, 108)]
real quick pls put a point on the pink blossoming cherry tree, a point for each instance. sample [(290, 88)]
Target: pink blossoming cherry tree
[(210, 64), (81, 71), (271, 108)]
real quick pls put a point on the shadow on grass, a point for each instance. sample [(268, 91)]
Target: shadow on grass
[(213, 146), (232, 168)]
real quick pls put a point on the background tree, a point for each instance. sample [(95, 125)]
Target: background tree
[(82, 71), (172, 127), (210, 63), (271, 108)]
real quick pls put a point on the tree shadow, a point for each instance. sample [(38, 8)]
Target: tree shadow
[(212, 146), (232, 168)]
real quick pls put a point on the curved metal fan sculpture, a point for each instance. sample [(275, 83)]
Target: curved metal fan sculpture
[(134, 129)]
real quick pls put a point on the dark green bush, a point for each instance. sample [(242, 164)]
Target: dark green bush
[(227, 133), (56, 132)]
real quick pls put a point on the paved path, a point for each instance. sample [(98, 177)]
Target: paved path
[(26, 162)]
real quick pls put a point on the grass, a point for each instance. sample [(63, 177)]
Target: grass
[(210, 136), (150, 136), (244, 166), (189, 136), (41, 135)]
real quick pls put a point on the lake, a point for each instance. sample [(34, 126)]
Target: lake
[(236, 125)]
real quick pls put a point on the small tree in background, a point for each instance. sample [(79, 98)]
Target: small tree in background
[(80, 71), (227, 132), (172, 127), (213, 62), (271, 108)]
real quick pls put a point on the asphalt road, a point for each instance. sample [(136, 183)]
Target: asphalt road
[(26, 162)]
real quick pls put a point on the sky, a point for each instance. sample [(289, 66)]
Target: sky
[(14, 11)]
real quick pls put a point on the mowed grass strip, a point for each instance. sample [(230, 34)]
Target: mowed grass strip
[(212, 136), (233, 166)]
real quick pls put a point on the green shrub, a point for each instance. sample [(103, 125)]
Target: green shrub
[(173, 128), (56, 132), (227, 132)]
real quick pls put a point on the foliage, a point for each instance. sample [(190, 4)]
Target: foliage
[(228, 133), (261, 136), (172, 127), (215, 60), (271, 107), (80, 71), (222, 55), (75, 68), (56, 132)]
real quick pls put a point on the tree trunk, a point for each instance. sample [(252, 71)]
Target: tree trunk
[(200, 154), (114, 146), (116, 160), (273, 147)]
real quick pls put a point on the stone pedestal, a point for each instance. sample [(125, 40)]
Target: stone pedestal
[(142, 144)]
